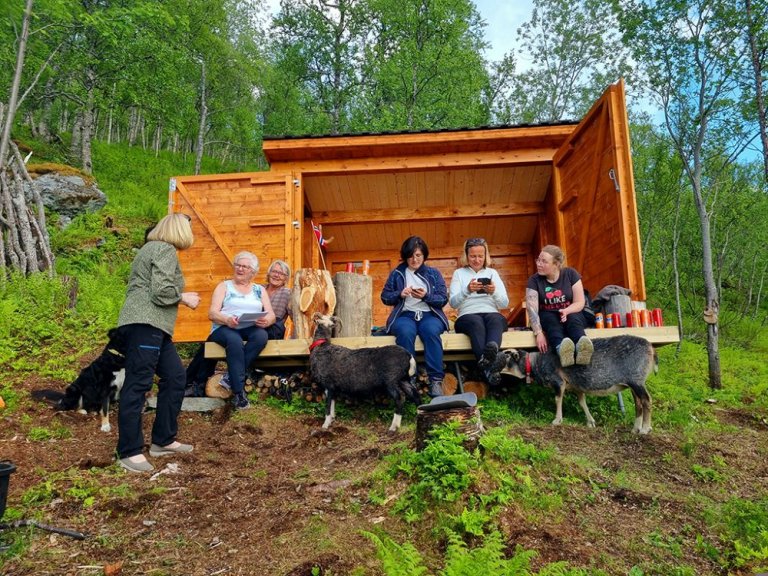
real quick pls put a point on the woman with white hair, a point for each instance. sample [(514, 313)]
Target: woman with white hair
[(242, 340)]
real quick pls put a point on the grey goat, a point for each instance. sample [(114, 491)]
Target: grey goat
[(617, 363), (362, 371)]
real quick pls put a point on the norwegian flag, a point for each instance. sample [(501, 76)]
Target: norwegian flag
[(318, 230)]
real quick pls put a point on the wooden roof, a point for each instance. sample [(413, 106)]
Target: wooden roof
[(372, 191)]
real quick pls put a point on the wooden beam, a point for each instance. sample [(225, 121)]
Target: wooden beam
[(431, 213), (455, 346), (427, 162)]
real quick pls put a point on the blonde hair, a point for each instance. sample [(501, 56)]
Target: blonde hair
[(174, 229), (283, 266), (471, 243), (250, 256), (558, 256)]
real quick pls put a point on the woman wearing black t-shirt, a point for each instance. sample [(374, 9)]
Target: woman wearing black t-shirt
[(555, 299)]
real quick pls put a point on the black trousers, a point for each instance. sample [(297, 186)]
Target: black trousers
[(555, 330), (149, 351), (481, 329)]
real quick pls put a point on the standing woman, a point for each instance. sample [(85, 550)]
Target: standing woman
[(418, 293), (242, 341), (555, 300), (478, 293), (279, 294), (146, 323)]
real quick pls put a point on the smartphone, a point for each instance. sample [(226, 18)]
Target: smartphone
[(484, 281)]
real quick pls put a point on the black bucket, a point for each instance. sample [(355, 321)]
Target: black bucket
[(6, 469)]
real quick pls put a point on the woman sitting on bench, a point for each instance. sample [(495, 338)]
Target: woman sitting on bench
[(242, 339)]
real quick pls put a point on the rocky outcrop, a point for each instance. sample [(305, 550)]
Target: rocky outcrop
[(69, 195)]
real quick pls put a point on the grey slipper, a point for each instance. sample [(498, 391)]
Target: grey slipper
[(135, 466), (566, 352), (155, 450), (584, 349)]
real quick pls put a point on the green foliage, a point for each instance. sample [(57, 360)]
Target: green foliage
[(41, 434), (441, 472), (508, 449)]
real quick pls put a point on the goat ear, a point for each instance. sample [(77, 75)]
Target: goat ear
[(337, 324), (316, 316)]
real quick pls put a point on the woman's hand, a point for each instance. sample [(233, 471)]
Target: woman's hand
[(564, 315), (232, 321), (541, 342), (407, 291), (190, 299)]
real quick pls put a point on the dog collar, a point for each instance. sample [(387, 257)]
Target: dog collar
[(527, 368), (317, 343)]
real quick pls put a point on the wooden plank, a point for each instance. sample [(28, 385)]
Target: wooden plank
[(428, 213), (455, 346)]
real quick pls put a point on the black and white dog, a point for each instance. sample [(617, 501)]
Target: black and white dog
[(97, 385)]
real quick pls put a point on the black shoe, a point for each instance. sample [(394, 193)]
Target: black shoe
[(435, 388), (490, 354), (240, 401), (493, 378)]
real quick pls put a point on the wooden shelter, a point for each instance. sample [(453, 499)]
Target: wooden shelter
[(520, 188)]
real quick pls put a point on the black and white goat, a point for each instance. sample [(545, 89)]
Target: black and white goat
[(359, 371)]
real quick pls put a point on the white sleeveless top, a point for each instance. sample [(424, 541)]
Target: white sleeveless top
[(236, 304)]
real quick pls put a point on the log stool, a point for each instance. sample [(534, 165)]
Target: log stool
[(460, 408)]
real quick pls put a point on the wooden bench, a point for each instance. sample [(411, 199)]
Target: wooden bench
[(456, 347)]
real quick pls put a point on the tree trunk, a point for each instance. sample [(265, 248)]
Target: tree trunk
[(87, 127), (756, 58), (354, 305), (203, 122), (6, 134), (312, 292), (712, 309)]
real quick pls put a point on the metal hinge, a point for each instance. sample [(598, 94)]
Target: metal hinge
[(612, 176)]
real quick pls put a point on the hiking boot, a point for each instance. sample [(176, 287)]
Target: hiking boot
[(584, 351), (566, 352), (493, 378), (435, 388), (240, 401)]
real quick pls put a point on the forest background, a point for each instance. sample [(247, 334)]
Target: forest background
[(130, 93)]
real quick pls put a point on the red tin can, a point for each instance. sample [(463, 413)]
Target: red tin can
[(616, 320), (350, 267), (599, 322), (645, 318), (629, 323), (366, 267), (636, 318), (609, 321), (656, 317)]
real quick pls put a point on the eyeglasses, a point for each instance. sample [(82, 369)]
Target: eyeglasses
[(542, 261), (475, 242), (279, 273), (243, 266)]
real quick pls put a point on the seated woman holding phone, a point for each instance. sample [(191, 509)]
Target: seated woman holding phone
[(417, 294), (241, 313), (478, 293)]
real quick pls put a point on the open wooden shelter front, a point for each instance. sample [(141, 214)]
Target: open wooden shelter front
[(518, 187)]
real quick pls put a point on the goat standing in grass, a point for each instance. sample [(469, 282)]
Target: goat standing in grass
[(362, 371)]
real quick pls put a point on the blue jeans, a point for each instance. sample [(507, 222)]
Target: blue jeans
[(481, 329), (243, 346), (555, 330), (406, 328), (149, 351)]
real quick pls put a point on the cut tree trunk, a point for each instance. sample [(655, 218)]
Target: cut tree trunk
[(354, 306), (312, 292), (470, 424)]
